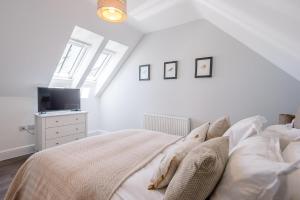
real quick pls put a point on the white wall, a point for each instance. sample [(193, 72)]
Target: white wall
[(33, 37), (15, 112), (243, 82), (92, 106), (34, 34), (19, 111), (270, 28)]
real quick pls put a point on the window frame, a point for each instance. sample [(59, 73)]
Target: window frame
[(106, 61), (80, 56)]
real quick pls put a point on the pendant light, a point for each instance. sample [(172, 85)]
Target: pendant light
[(112, 10)]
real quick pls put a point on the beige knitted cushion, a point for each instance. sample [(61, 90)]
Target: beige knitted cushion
[(169, 164), (297, 120), (199, 133), (200, 171), (218, 128)]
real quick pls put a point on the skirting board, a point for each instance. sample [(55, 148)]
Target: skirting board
[(16, 152)]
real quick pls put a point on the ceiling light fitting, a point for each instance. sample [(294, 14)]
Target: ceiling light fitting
[(114, 11)]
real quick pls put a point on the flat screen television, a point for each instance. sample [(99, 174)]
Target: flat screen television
[(57, 99)]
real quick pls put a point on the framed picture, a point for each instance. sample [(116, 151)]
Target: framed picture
[(144, 72), (203, 67), (170, 70)]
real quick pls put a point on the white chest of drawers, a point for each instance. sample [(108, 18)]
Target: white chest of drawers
[(56, 128)]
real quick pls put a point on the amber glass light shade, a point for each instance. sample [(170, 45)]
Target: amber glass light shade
[(112, 10)]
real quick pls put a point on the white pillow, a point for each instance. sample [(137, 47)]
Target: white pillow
[(292, 154), (286, 134), (244, 129), (255, 171)]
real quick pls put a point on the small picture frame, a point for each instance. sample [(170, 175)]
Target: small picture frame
[(170, 70), (203, 67), (144, 72)]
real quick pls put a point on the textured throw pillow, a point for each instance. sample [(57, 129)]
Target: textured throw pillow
[(200, 171), (297, 120), (199, 133), (218, 128), (255, 171), (291, 154), (169, 164), (244, 129)]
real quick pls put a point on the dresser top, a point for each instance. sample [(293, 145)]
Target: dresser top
[(59, 113)]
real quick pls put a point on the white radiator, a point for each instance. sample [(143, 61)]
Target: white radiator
[(180, 126)]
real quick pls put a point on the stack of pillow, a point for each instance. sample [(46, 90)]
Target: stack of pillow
[(252, 172), (220, 162), (182, 169)]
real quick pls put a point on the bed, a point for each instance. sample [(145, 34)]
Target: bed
[(243, 162), (113, 166)]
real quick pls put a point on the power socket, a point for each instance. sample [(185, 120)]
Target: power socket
[(22, 128), (25, 128)]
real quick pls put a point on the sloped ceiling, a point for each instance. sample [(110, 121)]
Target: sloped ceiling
[(34, 34), (270, 27)]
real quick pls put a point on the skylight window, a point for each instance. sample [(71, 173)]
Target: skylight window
[(103, 60), (70, 60)]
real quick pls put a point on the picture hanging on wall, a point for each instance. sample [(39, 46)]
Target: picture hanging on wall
[(203, 67), (170, 70), (144, 72)]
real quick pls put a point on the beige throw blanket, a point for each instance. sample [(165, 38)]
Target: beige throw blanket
[(90, 169)]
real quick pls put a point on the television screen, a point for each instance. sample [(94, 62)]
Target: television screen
[(55, 99)]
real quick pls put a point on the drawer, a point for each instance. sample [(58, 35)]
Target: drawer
[(62, 131), (64, 120), (63, 140)]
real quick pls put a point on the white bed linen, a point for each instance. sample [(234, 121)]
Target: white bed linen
[(286, 134), (244, 129), (252, 171), (292, 154), (135, 187)]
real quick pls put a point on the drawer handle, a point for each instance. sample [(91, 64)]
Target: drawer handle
[(57, 132), (56, 121), (57, 143), (76, 138), (76, 118)]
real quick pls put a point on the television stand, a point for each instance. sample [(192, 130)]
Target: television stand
[(56, 128)]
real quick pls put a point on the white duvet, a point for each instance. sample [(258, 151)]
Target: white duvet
[(135, 187)]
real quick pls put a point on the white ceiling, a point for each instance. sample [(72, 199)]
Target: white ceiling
[(269, 27), (153, 15)]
